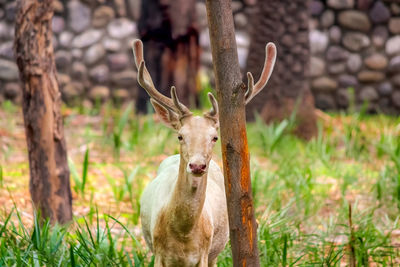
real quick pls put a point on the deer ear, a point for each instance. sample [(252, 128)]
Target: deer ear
[(169, 118)]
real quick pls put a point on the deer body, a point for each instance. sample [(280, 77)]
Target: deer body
[(183, 210), (179, 229)]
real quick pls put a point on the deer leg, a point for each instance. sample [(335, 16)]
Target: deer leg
[(204, 260), (158, 262), (212, 263)]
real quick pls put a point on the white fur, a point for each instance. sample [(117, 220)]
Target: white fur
[(159, 191)]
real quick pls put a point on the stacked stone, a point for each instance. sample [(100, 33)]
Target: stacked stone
[(93, 53), (94, 56), (355, 44)]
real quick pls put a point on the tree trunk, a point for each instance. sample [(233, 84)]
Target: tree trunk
[(49, 172), (235, 154), (169, 33), (284, 22)]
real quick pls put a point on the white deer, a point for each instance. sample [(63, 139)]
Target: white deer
[(183, 210)]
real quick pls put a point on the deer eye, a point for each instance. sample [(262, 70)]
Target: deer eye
[(180, 138), (215, 139)]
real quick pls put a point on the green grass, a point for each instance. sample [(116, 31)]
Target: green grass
[(302, 191), (80, 181), (1, 176), (81, 244)]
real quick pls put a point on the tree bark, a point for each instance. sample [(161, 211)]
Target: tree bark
[(284, 22), (231, 91), (49, 172), (169, 32)]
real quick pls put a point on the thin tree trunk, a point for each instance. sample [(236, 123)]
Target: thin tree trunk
[(231, 91), (169, 32), (284, 22), (49, 172)]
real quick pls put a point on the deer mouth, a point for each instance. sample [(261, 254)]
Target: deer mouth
[(198, 173)]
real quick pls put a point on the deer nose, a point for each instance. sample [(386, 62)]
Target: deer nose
[(197, 168)]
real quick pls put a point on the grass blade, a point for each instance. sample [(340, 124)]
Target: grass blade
[(126, 229), (3, 229), (71, 255), (1, 176), (85, 171)]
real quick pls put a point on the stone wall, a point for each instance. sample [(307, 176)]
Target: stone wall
[(354, 43), (92, 42)]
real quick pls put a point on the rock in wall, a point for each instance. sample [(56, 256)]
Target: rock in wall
[(355, 46)]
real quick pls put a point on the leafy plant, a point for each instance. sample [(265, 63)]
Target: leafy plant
[(354, 138), (273, 134), (321, 147), (80, 181), (133, 194), (85, 170), (390, 145), (117, 189), (117, 134), (1, 176), (84, 244), (301, 192), (367, 242)]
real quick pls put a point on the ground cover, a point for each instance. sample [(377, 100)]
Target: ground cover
[(302, 191)]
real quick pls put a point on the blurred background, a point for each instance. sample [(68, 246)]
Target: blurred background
[(353, 44)]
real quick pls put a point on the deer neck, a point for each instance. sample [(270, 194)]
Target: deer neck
[(187, 200)]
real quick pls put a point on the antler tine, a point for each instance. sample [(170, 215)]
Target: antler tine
[(214, 110), (250, 86), (146, 82), (138, 52), (180, 107), (270, 58)]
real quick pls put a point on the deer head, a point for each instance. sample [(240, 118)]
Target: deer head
[(197, 135)]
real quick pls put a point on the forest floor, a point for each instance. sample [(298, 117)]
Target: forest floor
[(302, 190)]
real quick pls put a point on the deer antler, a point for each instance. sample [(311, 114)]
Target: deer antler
[(213, 113), (254, 89), (146, 82)]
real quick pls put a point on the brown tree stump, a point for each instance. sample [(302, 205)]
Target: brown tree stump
[(49, 172)]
